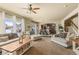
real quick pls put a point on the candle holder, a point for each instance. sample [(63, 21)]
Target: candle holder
[(21, 40), (24, 35)]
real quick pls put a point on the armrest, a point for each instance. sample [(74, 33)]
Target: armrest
[(53, 35), (9, 41)]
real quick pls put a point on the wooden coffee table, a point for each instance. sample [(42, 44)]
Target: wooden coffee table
[(15, 48)]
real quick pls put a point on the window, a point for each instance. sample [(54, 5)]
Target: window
[(8, 23), (9, 26)]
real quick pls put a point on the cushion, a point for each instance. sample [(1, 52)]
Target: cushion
[(37, 38), (12, 35), (4, 38), (62, 35)]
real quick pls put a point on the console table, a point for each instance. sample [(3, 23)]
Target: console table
[(16, 48), (75, 44)]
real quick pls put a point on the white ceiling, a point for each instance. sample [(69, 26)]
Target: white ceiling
[(48, 11)]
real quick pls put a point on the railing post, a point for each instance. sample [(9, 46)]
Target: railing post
[(73, 46)]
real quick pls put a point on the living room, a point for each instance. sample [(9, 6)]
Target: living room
[(35, 28)]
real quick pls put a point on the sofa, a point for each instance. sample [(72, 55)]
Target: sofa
[(61, 38), (7, 38)]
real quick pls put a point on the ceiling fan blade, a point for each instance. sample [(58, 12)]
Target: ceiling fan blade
[(36, 8), (33, 11)]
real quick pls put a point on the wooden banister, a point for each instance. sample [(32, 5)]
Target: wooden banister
[(74, 24)]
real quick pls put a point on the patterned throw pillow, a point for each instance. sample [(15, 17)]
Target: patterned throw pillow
[(62, 35)]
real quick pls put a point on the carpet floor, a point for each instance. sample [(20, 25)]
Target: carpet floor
[(47, 47)]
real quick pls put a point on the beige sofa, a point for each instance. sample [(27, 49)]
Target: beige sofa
[(61, 39), (7, 38)]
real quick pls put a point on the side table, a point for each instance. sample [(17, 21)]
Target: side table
[(75, 45)]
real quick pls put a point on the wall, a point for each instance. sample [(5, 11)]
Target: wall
[(74, 12), (2, 26), (27, 22), (1, 23), (13, 18), (75, 20), (69, 15)]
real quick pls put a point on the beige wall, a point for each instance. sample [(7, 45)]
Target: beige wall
[(75, 20), (13, 18), (1, 22), (69, 15), (2, 26), (27, 22)]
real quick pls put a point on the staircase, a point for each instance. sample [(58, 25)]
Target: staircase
[(74, 28), (72, 25)]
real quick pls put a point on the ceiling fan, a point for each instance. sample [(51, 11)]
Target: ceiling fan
[(31, 9)]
